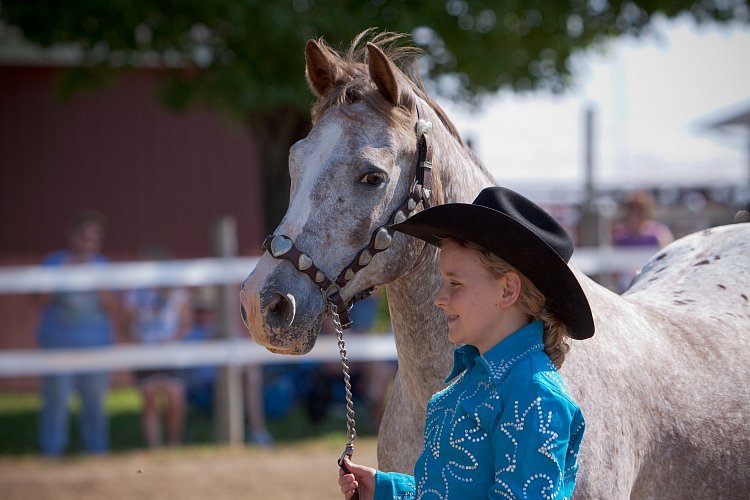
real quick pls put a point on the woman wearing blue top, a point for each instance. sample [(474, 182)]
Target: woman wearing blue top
[(506, 426), (80, 319)]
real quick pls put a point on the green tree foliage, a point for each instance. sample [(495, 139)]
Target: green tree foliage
[(246, 56)]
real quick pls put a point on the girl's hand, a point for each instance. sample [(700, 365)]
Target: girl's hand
[(361, 477)]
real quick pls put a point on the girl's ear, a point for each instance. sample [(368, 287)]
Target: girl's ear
[(510, 289)]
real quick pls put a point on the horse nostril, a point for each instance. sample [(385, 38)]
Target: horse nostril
[(280, 310)]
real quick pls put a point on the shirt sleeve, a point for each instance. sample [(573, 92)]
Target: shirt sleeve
[(394, 486), (53, 259), (535, 442)]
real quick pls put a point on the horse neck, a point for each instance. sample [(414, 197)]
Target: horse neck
[(425, 355)]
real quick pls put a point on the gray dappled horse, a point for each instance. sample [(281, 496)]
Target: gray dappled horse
[(664, 383)]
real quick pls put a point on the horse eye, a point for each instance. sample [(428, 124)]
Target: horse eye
[(373, 178)]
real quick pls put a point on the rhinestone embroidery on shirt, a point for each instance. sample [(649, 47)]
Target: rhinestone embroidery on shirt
[(573, 451), (464, 419), (498, 369), (547, 489), (439, 418)]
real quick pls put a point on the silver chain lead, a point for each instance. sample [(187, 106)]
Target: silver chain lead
[(351, 430)]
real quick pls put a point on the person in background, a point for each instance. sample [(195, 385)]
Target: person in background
[(200, 380), (638, 228), (258, 434), (371, 380), (377, 376), (81, 319), (159, 315)]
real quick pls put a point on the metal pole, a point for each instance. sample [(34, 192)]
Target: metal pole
[(228, 403), (589, 225)]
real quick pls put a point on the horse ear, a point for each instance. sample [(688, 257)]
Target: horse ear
[(383, 73), (319, 68)]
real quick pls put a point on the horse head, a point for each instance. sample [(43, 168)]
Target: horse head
[(351, 177)]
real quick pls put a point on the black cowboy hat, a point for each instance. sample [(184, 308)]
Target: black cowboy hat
[(523, 234)]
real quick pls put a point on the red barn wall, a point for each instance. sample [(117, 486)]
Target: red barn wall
[(160, 176)]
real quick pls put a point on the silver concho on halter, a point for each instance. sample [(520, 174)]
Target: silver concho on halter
[(399, 217), (364, 258), (423, 127), (304, 262), (280, 245), (383, 239)]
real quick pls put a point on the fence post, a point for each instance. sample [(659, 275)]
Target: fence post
[(228, 403), (588, 227)]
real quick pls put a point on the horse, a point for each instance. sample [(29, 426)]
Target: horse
[(663, 383)]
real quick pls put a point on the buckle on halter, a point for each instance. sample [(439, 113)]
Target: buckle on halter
[(344, 319), (332, 289), (337, 306)]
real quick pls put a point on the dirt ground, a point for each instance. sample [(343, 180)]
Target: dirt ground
[(299, 471)]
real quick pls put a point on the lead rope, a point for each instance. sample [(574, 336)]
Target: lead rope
[(351, 430)]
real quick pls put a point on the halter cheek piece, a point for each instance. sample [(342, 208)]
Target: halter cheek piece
[(282, 247)]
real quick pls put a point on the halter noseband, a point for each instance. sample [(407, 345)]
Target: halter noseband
[(282, 247)]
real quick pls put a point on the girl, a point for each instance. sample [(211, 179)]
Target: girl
[(506, 426)]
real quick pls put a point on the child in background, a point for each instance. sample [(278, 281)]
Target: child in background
[(159, 315)]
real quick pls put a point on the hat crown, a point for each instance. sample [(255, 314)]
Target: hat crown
[(523, 234), (530, 215)]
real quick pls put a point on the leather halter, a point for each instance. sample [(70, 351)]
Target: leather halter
[(282, 247)]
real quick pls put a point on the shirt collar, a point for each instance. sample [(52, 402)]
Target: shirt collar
[(464, 358), (503, 356)]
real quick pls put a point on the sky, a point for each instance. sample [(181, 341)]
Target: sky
[(651, 98)]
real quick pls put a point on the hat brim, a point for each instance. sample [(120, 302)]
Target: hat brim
[(517, 245)]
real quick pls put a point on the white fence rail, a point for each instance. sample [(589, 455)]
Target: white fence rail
[(229, 271), (232, 352), (202, 272), (124, 275)]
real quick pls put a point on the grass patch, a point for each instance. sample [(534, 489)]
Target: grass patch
[(19, 415)]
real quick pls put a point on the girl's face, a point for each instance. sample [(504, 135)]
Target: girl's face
[(475, 302)]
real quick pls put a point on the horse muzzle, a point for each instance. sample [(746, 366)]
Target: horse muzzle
[(281, 313)]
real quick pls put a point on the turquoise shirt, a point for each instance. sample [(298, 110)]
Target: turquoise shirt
[(505, 428)]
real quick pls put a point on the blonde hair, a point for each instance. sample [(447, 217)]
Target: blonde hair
[(531, 301)]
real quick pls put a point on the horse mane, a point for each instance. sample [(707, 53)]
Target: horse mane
[(352, 82)]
